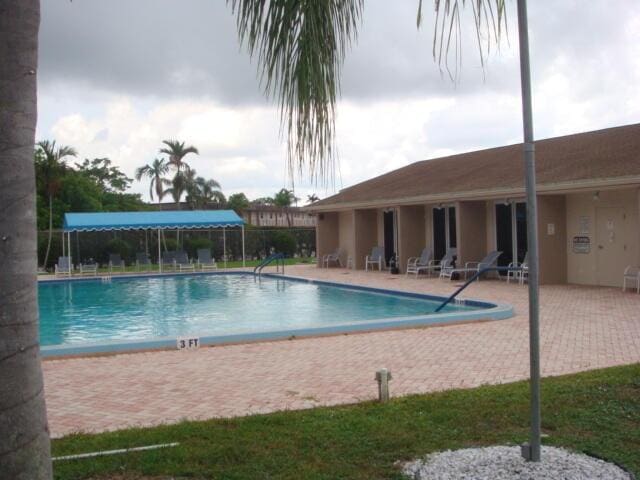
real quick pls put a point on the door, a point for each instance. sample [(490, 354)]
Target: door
[(511, 232), (611, 249), (389, 218), (444, 230)]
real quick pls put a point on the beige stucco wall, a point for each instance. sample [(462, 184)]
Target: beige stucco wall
[(583, 268), (552, 239), (346, 234), (471, 231), (327, 234), (366, 223), (411, 233)]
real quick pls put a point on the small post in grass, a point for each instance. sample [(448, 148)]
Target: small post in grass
[(382, 377)]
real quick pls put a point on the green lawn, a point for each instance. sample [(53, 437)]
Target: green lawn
[(596, 412)]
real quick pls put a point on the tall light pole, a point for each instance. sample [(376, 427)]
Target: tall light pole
[(532, 450)]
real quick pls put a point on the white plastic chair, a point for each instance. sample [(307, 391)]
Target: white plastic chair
[(332, 257), (631, 274), (375, 258), (423, 262)]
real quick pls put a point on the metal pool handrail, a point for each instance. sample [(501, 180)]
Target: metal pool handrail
[(277, 257), (472, 279)]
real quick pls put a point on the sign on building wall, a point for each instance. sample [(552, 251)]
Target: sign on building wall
[(584, 224), (581, 244)]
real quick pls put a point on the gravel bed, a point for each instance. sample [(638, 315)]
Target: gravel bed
[(502, 463)]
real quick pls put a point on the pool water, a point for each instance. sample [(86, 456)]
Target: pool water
[(78, 312)]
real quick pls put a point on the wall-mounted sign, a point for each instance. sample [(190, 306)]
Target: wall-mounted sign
[(584, 225), (187, 343), (581, 244), (551, 228)]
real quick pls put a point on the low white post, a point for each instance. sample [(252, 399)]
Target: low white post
[(382, 377)]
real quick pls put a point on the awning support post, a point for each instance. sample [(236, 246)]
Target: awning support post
[(244, 263), (224, 246), (69, 246), (64, 247)]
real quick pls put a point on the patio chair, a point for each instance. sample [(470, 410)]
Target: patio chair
[(489, 260), (89, 267), (63, 266), (169, 260), (375, 258), (116, 261), (448, 261), (421, 263), (205, 260), (521, 272), (332, 257), (631, 274), (142, 261), (182, 262)]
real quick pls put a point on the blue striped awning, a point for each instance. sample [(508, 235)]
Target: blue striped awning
[(189, 219)]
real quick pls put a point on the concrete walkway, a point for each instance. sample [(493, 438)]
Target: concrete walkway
[(582, 328)]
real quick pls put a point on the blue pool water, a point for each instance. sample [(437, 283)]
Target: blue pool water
[(79, 312)]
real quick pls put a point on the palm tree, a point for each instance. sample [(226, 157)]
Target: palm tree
[(178, 187), (284, 199), (177, 151), (52, 168), (155, 172), (24, 435), (312, 198), (210, 191)]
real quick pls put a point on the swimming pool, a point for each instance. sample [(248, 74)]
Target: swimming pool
[(127, 313)]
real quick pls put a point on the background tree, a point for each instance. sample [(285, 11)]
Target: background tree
[(178, 188), (155, 172), (24, 435), (200, 191), (312, 198), (108, 176), (238, 202), (177, 151), (52, 167)]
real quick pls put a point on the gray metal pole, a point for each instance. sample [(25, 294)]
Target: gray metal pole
[(224, 246), (159, 253), (244, 263), (531, 453)]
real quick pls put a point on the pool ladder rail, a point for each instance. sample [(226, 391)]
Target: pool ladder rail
[(278, 258)]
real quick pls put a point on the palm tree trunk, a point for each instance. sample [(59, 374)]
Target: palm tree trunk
[(24, 437), (46, 255)]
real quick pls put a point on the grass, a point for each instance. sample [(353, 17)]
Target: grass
[(597, 412), (230, 264)]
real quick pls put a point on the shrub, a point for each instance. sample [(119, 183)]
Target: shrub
[(193, 244), (284, 242), (117, 245)]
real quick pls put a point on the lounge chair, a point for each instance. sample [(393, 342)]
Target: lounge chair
[(205, 260), (472, 267), (631, 274), (142, 261), (169, 260), (444, 263), (116, 261), (332, 257), (89, 267), (522, 270), (63, 266), (421, 263), (182, 262), (375, 258)]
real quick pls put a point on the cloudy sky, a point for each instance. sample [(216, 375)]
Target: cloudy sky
[(117, 77)]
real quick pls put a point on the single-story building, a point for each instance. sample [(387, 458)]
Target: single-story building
[(588, 188)]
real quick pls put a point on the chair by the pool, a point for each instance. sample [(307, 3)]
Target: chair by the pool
[(631, 275), (116, 261), (472, 267), (375, 258), (142, 261), (444, 263), (521, 270), (421, 263), (205, 260), (63, 266), (332, 257), (169, 260), (89, 267), (182, 261)]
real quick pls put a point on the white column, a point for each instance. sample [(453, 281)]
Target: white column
[(70, 259), (224, 246), (244, 263), (159, 254), (64, 247)]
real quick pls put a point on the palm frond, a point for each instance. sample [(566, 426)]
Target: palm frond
[(490, 24), (300, 48)]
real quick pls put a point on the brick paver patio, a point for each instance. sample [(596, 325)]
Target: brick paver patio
[(582, 328)]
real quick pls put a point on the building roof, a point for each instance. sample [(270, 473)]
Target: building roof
[(85, 222), (610, 156)]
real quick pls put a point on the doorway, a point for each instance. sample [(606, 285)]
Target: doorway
[(611, 249), (390, 234), (444, 230), (511, 232)]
